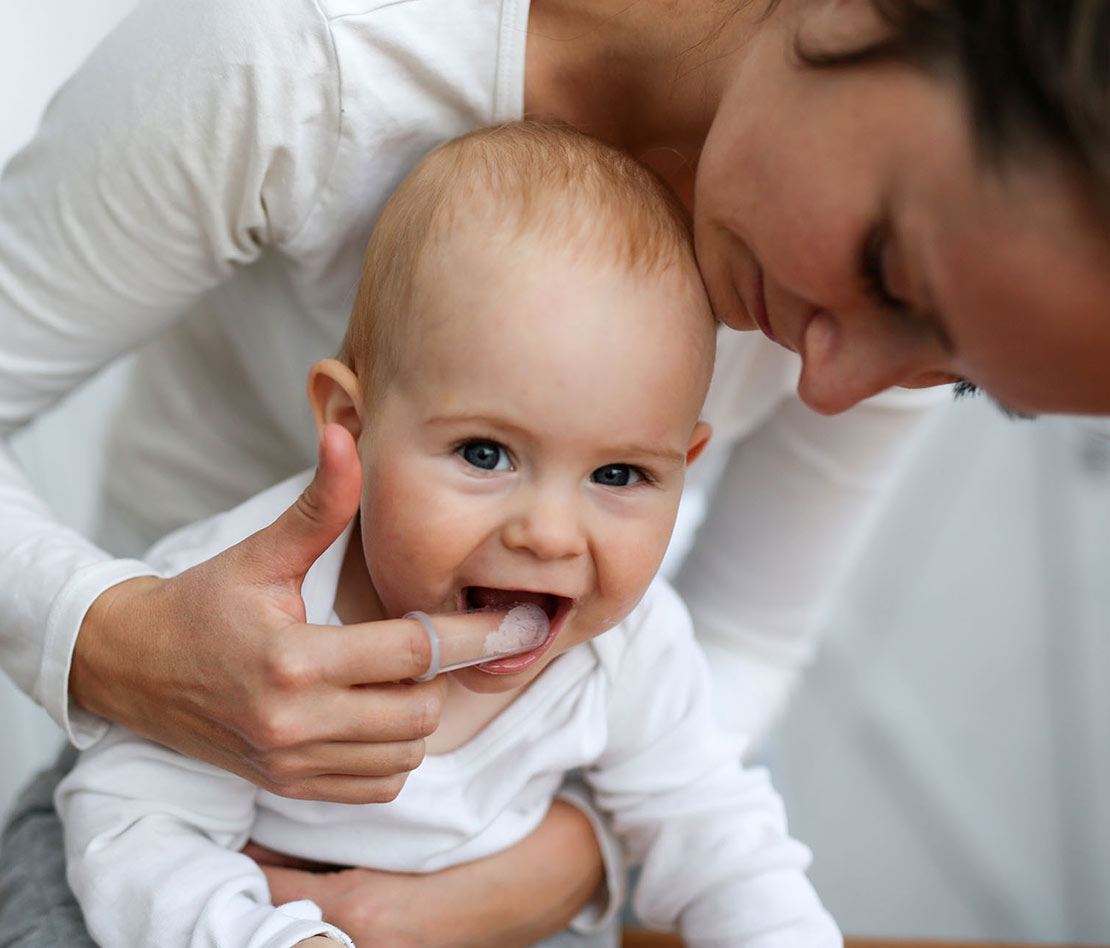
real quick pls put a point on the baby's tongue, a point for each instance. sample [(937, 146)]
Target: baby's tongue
[(482, 597)]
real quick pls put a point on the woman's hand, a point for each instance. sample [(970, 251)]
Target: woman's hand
[(219, 663), (508, 900)]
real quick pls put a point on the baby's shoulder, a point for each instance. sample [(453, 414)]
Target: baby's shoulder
[(656, 630)]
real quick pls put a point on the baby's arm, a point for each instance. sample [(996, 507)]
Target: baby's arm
[(152, 853), (717, 862)]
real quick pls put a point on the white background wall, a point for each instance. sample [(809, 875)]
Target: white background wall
[(948, 757), (41, 43)]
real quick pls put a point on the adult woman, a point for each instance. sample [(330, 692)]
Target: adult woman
[(212, 174)]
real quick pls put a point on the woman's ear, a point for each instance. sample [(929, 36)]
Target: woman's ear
[(335, 395), (698, 440)]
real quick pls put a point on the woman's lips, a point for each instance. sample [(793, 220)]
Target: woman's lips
[(759, 309)]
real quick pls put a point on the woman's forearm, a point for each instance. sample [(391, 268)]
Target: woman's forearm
[(508, 900)]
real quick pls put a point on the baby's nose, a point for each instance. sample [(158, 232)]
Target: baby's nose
[(547, 525)]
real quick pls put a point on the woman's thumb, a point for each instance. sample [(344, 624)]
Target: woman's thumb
[(307, 528)]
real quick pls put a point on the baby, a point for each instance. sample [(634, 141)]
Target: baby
[(523, 375)]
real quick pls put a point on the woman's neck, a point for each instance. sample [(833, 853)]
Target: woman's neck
[(646, 76)]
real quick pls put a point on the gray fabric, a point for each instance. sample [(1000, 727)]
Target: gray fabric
[(37, 909), (607, 938)]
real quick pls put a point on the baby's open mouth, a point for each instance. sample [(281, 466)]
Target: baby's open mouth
[(483, 597), (555, 607)]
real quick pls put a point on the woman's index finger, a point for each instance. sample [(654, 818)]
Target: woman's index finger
[(370, 653)]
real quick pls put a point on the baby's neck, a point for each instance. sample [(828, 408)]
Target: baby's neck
[(464, 713)]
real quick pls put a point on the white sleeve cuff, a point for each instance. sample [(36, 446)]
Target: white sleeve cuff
[(292, 923), (51, 690), (600, 912)]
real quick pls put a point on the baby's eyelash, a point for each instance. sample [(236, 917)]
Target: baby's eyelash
[(464, 449), (642, 477)]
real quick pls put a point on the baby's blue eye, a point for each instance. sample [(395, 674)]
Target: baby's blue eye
[(487, 455), (616, 475)]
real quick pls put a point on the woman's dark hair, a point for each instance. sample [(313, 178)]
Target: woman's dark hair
[(1036, 72)]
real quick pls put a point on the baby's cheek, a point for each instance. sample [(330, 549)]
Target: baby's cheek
[(625, 574)]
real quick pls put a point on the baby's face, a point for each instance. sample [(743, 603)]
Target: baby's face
[(534, 443)]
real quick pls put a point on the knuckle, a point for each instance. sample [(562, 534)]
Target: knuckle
[(390, 787), (297, 790), (283, 769), (420, 649), (264, 779), (310, 506), (411, 756), (289, 668), (274, 730), (427, 715), (362, 914)]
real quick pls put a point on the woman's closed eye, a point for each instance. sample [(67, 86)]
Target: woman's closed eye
[(873, 271), (485, 455), (618, 475), (886, 289)]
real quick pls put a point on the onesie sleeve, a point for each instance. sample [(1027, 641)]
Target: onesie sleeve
[(194, 136), (152, 843), (717, 863), (787, 519)]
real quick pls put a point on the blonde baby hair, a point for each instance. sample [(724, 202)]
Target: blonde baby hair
[(519, 177)]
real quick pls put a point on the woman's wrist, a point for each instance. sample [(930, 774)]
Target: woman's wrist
[(96, 667)]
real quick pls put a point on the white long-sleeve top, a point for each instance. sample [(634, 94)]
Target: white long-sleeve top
[(202, 191), (152, 837)]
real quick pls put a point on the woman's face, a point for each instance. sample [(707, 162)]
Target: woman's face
[(845, 213)]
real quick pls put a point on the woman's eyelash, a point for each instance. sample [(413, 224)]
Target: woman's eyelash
[(964, 389), (871, 270)]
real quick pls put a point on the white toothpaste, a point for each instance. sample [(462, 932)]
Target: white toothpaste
[(524, 627)]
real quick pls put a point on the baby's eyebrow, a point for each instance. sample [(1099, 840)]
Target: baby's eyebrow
[(470, 418), (640, 451)]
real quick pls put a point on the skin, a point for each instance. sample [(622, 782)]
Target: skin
[(996, 275), (374, 907), (1003, 274), (575, 495), (494, 458)]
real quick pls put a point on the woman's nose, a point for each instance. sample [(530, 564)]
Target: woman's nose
[(547, 525), (844, 362)]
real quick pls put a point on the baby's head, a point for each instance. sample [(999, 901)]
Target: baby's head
[(523, 373)]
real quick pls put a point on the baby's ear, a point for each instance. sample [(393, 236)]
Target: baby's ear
[(698, 440), (335, 395)]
